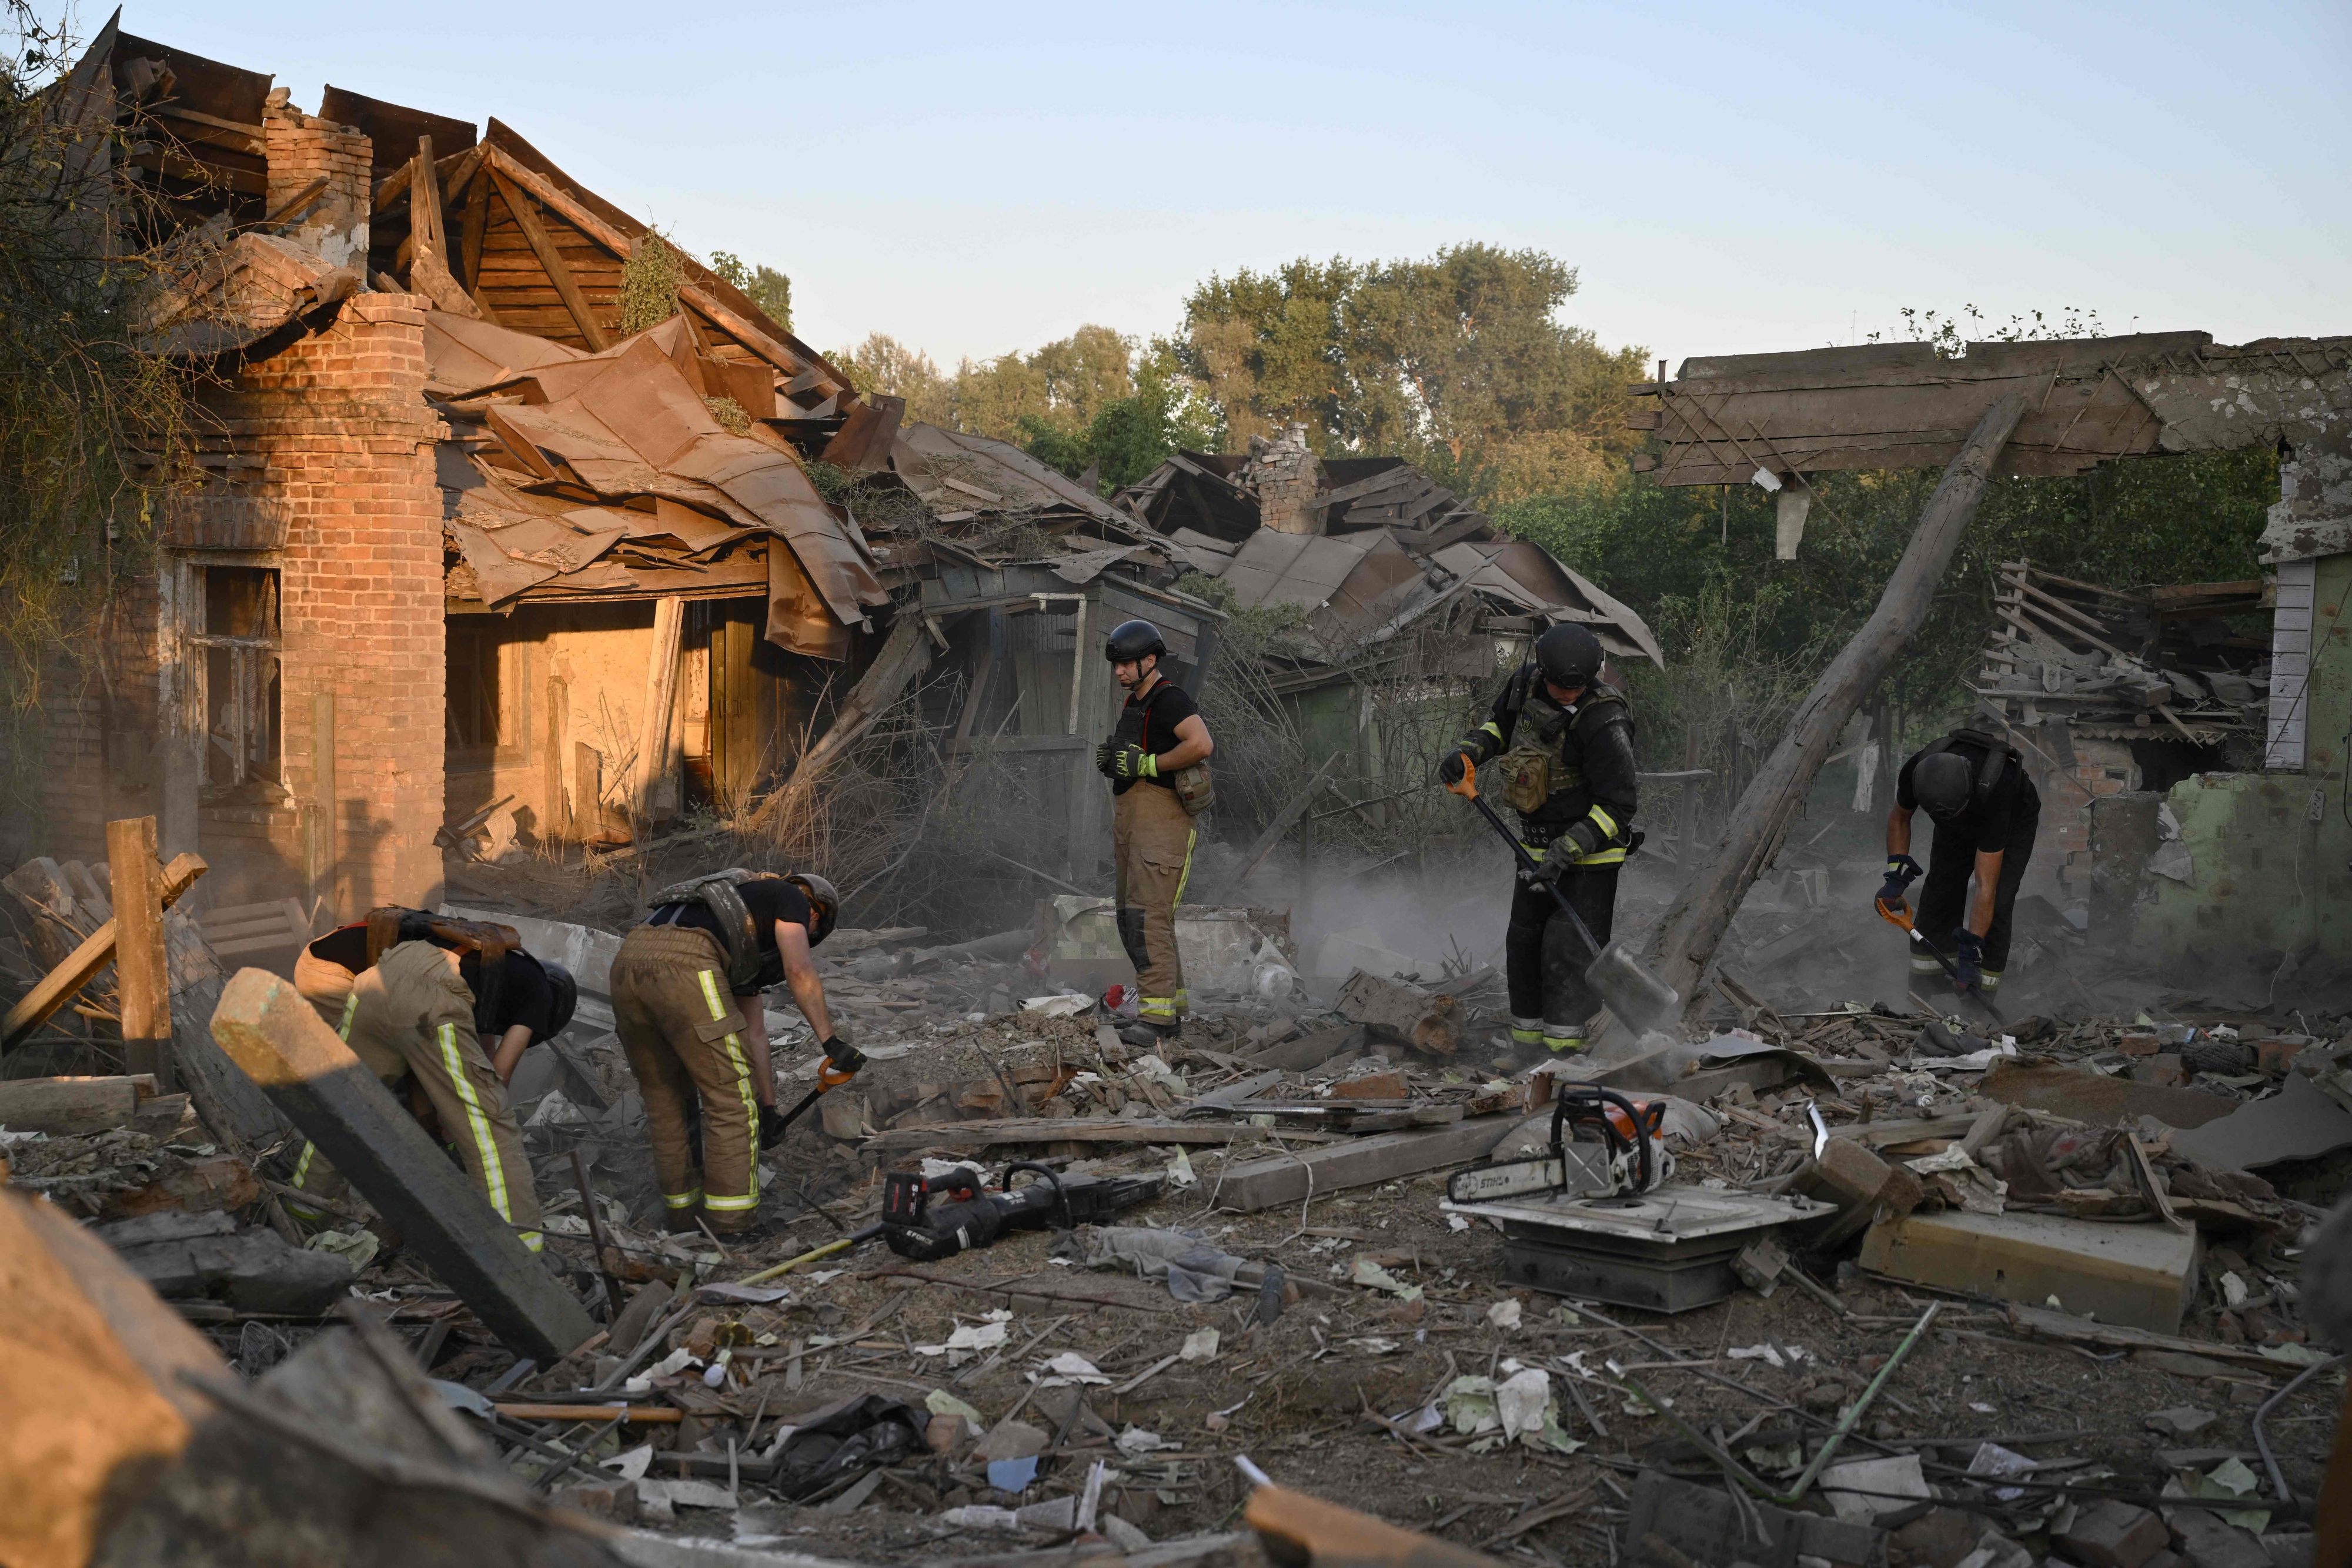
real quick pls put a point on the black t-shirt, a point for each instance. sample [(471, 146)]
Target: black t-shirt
[(1150, 722), (523, 994), (769, 898), (2013, 802)]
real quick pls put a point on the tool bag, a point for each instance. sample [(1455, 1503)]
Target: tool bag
[(1194, 788), (737, 933)]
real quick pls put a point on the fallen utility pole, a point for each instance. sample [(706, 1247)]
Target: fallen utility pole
[(1691, 930), (311, 1076), (97, 951)]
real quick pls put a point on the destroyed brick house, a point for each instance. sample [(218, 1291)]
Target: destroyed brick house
[(458, 538), (2191, 767)]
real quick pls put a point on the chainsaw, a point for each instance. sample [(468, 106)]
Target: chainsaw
[(1603, 1145), (973, 1216)]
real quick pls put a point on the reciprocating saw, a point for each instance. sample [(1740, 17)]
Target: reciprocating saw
[(974, 1217)]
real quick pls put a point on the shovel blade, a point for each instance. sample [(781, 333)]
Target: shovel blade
[(1632, 993)]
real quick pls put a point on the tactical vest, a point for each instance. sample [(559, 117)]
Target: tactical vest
[(1540, 774), (1194, 788), (747, 967)]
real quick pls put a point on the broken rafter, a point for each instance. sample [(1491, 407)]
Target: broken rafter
[(510, 172), (542, 245)]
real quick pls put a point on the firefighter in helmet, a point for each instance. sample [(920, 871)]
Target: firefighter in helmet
[(687, 1004), (1154, 762), (1561, 740)]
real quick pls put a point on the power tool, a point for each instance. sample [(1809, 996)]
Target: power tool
[(975, 1217), (1624, 1155)]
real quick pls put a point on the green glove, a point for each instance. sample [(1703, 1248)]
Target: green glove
[(1130, 761)]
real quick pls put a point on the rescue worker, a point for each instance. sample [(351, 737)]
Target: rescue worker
[(1161, 733), (1986, 811), (448, 1008), (680, 986), (1565, 738), (325, 968)]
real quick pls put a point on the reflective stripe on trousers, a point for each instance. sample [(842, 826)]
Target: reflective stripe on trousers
[(309, 1150), (486, 1145), (734, 1043)]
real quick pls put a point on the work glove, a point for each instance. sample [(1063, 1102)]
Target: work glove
[(1102, 758), (772, 1126), (1129, 760), (841, 1062), (1582, 838), (1450, 770), (1968, 951), (1902, 871)]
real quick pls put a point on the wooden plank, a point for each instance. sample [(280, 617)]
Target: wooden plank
[(558, 272), (143, 981), (1356, 1162), (310, 1075), (70, 1107), (82, 966), (1069, 1129), (653, 760)]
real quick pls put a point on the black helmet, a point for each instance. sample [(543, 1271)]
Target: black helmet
[(825, 903), (1568, 655), (1941, 782), (1131, 640), (567, 998)]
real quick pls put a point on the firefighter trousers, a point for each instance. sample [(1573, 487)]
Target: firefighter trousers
[(327, 987), (683, 1033), (1545, 960), (412, 1016), (1152, 840)]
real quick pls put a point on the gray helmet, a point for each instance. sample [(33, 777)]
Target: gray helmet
[(1941, 782), (1131, 640), (1568, 655), (825, 903)]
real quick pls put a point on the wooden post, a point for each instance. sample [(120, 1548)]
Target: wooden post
[(323, 845), (587, 792), (660, 698), (311, 1076), (142, 982), (554, 813), (1694, 924), (82, 966)]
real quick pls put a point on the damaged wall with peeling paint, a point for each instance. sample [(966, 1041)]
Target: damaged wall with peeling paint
[(2258, 869)]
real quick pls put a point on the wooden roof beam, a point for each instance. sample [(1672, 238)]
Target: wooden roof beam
[(542, 245)]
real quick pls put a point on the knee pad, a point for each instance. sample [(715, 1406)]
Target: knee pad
[(1130, 936)]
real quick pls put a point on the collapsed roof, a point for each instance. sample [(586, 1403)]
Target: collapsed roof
[(1374, 545)]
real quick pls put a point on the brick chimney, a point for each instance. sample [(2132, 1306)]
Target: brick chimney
[(302, 148), (1287, 477)]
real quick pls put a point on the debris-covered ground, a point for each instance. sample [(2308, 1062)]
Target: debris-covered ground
[(2083, 1380)]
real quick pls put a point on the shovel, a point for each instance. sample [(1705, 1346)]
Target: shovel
[(1901, 915), (1632, 993)]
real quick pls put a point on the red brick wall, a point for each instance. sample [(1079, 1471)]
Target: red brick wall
[(2061, 852), (339, 427)]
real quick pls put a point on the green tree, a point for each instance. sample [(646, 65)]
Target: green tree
[(1458, 361), (770, 290), (883, 366), (1128, 436)]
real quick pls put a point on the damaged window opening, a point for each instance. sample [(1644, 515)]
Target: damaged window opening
[(485, 723), (236, 654)]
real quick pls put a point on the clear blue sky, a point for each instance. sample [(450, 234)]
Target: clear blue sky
[(1728, 178)]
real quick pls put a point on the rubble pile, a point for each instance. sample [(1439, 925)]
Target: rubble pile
[(1949, 1288)]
